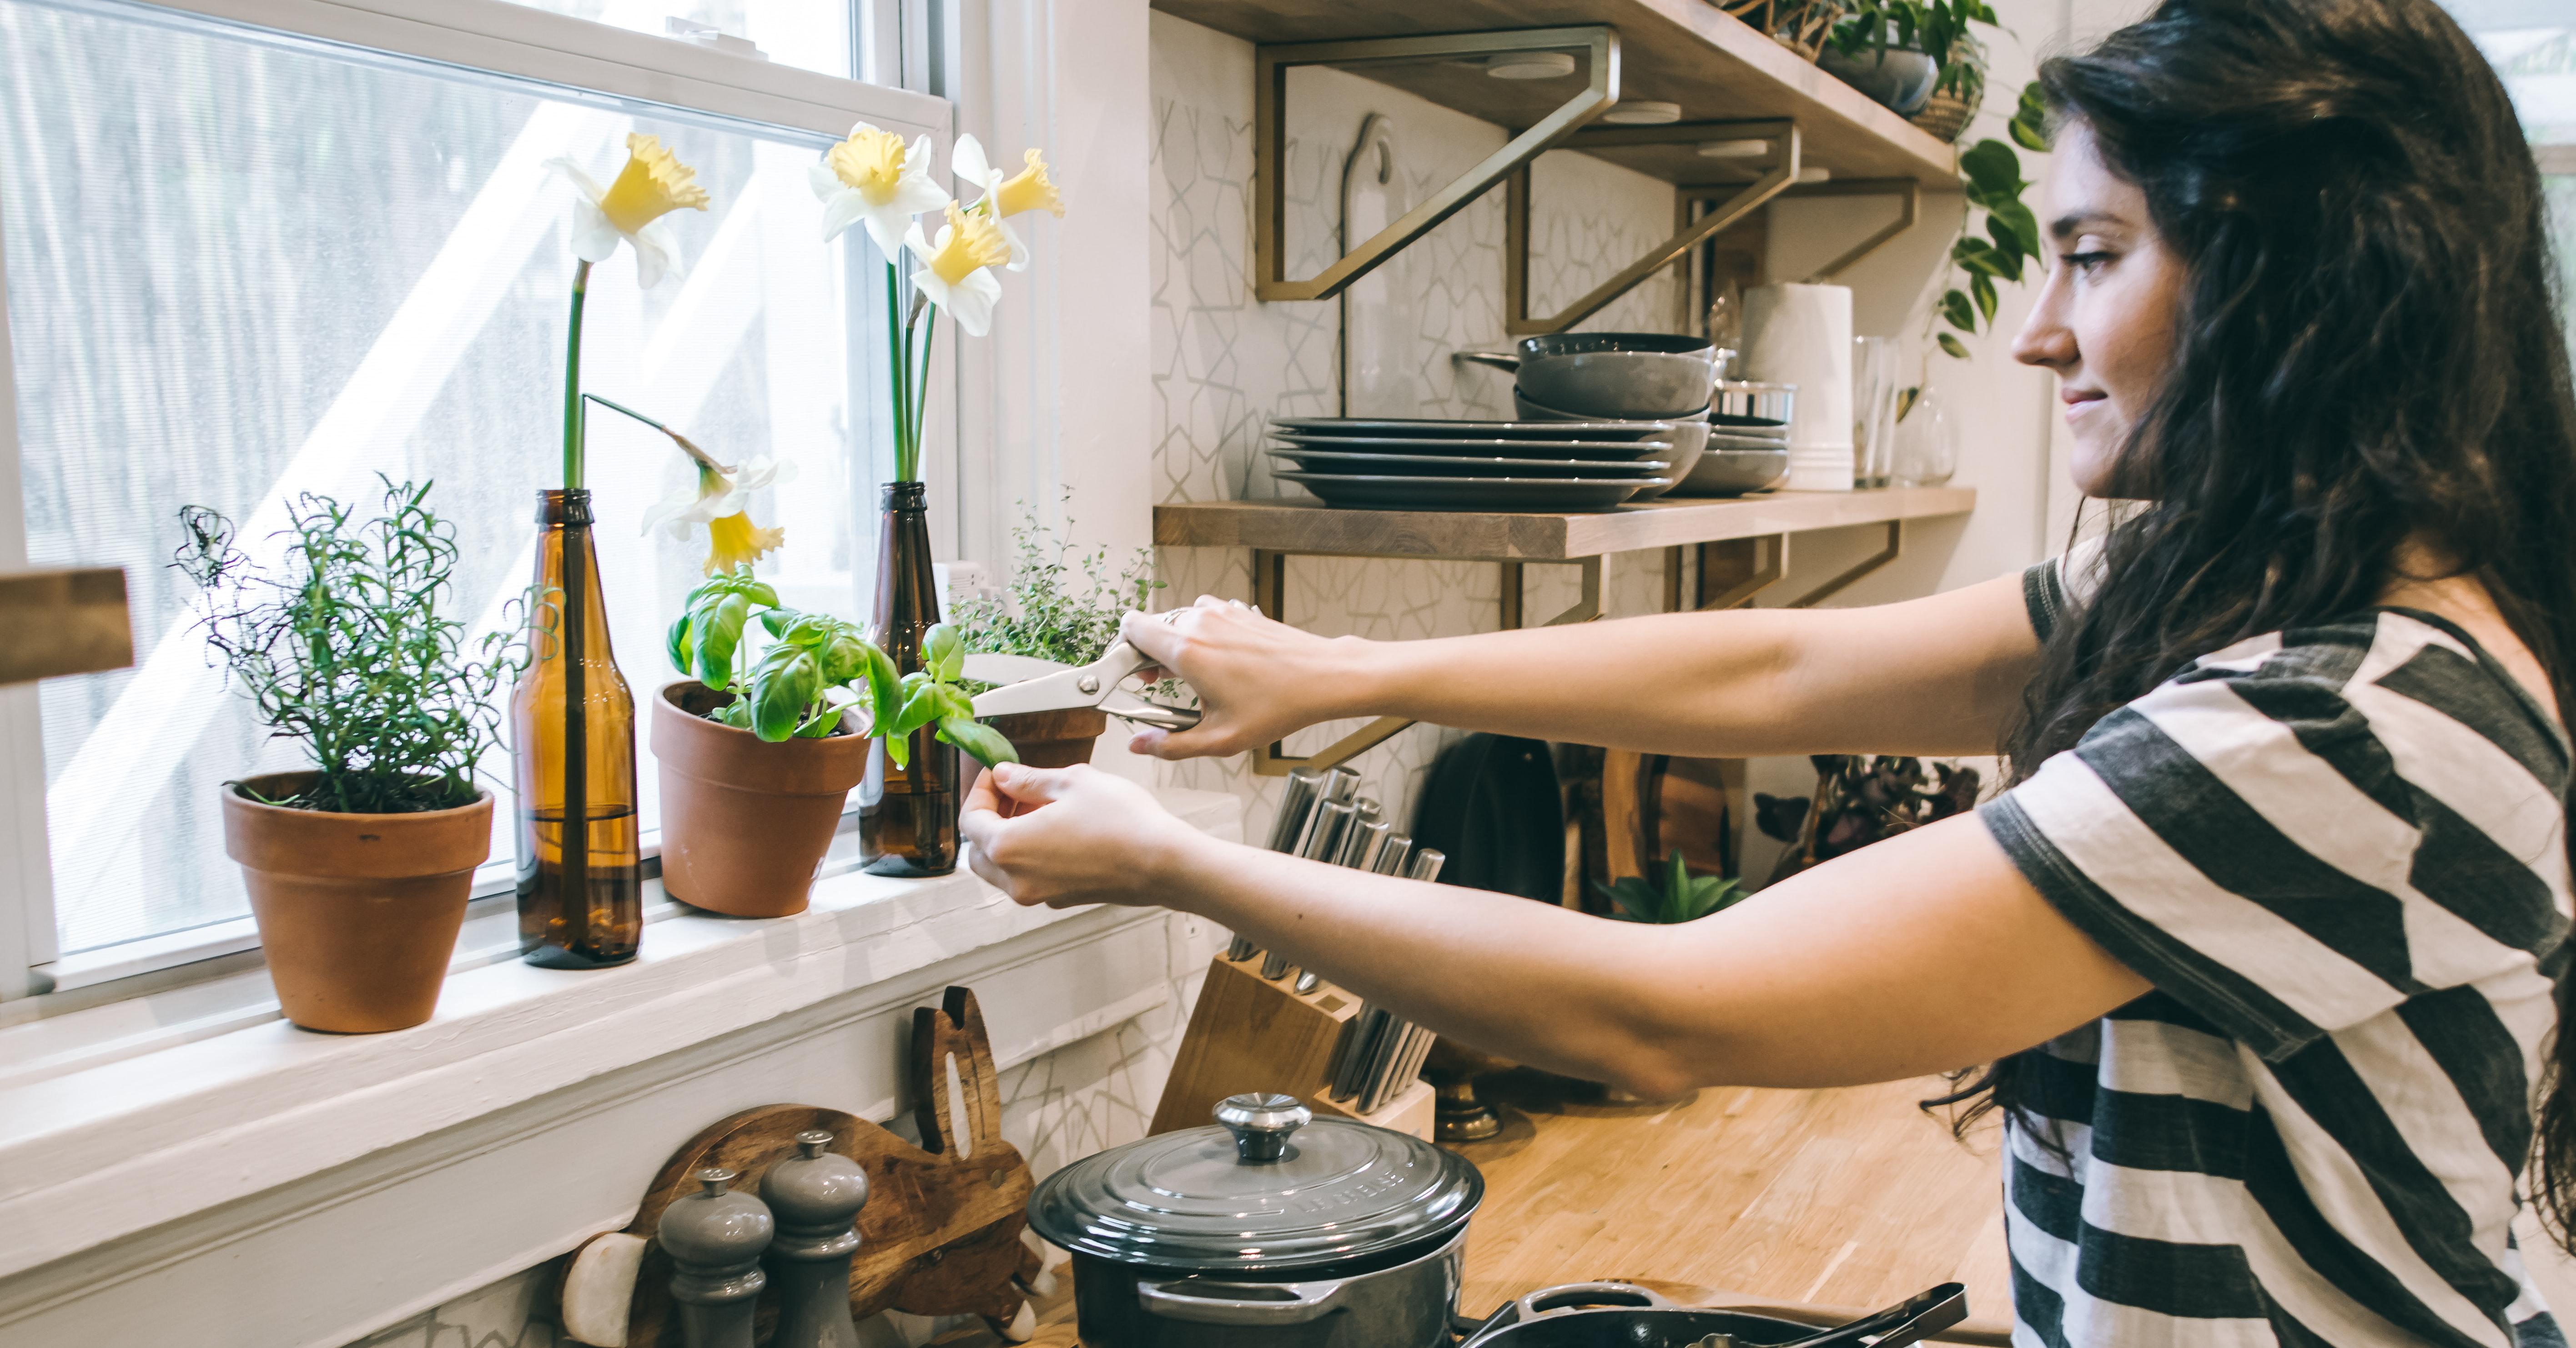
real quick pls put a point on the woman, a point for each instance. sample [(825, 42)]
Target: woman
[(2262, 937)]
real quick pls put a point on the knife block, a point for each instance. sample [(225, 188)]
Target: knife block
[(1248, 1033)]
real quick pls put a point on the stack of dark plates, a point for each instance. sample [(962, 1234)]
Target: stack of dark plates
[(1538, 466)]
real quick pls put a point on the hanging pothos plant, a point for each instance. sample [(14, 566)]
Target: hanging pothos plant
[(2011, 232)]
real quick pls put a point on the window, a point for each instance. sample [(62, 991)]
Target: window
[(809, 34), (240, 268), (2533, 46)]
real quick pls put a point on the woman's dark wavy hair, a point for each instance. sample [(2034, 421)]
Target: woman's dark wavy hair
[(2370, 350)]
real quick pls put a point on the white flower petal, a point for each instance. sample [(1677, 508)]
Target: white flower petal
[(1019, 250), (820, 177), (841, 210), (969, 301), (967, 162), (657, 254), (782, 473), (587, 185), (669, 508), (886, 227), (593, 238), (916, 196)]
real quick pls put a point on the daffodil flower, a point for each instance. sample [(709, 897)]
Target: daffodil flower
[(873, 178), (653, 184), (1002, 198), (957, 268), (717, 500)]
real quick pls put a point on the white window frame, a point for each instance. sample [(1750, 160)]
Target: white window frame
[(574, 58)]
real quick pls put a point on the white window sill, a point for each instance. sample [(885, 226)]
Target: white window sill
[(136, 1113)]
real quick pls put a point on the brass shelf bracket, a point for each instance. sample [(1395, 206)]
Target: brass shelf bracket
[(1894, 547), (1740, 200), (1269, 594), (1271, 64), (1905, 190)]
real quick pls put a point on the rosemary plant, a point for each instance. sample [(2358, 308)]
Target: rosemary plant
[(344, 647)]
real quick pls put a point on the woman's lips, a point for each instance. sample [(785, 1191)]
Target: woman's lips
[(2079, 401)]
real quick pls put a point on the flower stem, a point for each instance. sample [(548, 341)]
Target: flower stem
[(572, 463), (704, 459), (895, 356), (921, 395)]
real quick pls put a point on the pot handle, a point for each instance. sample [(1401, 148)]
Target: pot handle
[(1500, 360), (1304, 1301), (1577, 1296)]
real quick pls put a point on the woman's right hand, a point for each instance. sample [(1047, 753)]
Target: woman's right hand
[(1256, 680)]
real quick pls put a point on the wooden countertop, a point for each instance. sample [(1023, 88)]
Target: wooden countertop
[(1849, 1197), (1838, 1198)]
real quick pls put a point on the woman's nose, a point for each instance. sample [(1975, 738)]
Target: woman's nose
[(2045, 339)]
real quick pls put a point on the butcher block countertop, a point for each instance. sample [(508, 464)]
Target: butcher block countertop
[(1831, 1198)]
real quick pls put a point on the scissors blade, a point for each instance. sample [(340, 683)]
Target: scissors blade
[(1009, 669), (1081, 686)]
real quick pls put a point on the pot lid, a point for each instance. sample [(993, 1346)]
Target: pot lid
[(1272, 1187)]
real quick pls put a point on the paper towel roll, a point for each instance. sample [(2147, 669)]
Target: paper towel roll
[(1802, 335)]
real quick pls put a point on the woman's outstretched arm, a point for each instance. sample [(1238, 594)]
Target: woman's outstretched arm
[(1923, 953), (1937, 675)]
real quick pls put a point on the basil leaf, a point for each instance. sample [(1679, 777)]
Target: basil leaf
[(781, 692), (676, 643), (943, 652), (979, 739)]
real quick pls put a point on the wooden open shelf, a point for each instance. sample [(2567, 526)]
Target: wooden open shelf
[(1718, 68), (1311, 528)]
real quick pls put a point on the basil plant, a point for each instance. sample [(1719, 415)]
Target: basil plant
[(816, 668)]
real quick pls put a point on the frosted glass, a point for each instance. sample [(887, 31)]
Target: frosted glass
[(807, 34), (237, 272)]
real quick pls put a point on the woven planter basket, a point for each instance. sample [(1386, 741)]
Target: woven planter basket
[(1799, 25), (1945, 116)]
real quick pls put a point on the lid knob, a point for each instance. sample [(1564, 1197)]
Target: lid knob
[(1261, 1124)]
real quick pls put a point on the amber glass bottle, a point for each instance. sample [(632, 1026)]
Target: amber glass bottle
[(572, 722), (908, 815)]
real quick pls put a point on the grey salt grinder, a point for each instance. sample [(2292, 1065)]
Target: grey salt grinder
[(816, 1194), (715, 1239)]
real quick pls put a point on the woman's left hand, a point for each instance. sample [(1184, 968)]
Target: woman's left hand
[(1069, 836)]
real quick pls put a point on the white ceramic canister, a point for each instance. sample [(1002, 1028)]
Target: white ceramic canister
[(1802, 335)]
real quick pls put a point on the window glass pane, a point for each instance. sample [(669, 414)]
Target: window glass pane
[(808, 34), (237, 272)]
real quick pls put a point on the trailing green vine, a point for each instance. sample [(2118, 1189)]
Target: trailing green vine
[(343, 646)]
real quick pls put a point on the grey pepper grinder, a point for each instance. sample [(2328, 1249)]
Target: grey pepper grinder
[(715, 1239), (816, 1195)]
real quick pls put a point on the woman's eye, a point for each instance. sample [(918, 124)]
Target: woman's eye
[(2083, 262)]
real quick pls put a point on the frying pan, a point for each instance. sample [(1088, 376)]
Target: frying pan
[(1621, 1315), (1492, 803)]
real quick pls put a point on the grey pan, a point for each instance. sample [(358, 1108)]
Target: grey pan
[(1425, 428), (1610, 374), (1449, 465), (1490, 449), (1541, 495), (1733, 472)]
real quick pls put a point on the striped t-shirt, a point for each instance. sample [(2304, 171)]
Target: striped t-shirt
[(2336, 852)]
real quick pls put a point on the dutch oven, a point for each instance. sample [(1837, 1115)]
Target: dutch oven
[(1275, 1230)]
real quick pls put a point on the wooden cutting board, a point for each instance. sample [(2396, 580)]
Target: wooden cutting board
[(940, 1234)]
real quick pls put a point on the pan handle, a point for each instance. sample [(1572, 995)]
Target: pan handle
[(1500, 360), (1276, 1303), (1580, 1296)]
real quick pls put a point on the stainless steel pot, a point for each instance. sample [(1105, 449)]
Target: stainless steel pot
[(1625, 375), (1275, 1230)]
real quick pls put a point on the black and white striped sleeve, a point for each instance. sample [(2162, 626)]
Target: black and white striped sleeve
[(2241, 838)]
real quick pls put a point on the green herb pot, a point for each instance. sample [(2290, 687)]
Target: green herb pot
[(745, 822), (358, 913)]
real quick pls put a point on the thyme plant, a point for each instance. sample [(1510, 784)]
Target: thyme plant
[(343, 646), (1043, 615)]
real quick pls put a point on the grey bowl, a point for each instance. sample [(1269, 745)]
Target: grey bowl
[(1687, 433), (1733, 472), (1622, 384)]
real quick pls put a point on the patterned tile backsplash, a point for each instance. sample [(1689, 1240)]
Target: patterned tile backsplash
[(1223, 364)]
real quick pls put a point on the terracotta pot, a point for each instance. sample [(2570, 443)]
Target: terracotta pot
[(357, 913), (745, 823), (1045, 739)]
